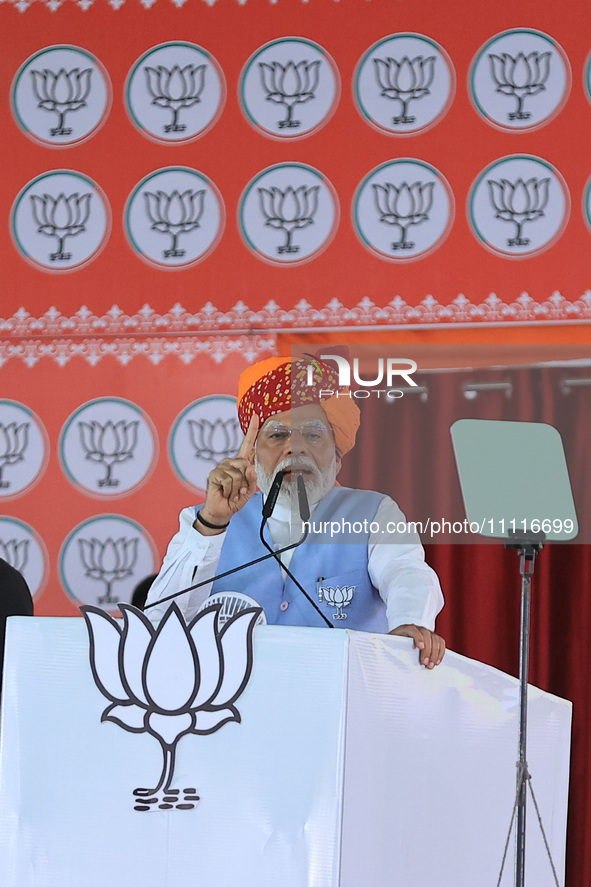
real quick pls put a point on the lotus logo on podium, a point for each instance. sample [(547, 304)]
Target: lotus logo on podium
[(170, 681)]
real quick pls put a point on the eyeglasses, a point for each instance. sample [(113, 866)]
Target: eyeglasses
[(314, 434)]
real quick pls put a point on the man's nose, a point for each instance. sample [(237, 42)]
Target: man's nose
[(296, 442)]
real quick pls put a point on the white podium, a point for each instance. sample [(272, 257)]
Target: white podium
[(351, 766)]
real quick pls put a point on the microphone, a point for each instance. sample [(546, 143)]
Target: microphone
[(271, 500), (303, 503)]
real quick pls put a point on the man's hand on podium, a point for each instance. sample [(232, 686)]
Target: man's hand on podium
[(431, 645)]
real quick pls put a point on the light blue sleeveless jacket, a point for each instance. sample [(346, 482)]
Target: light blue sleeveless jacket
[(320, 564)]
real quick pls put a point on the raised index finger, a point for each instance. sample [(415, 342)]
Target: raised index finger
[(246, 450)]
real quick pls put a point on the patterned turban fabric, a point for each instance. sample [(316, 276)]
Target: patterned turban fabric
[(276, 385)]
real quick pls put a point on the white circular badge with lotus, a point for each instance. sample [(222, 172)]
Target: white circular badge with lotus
[(404, 84), (289, 88), (108, 447), (175, 92), (288, 213), (205, 433), (24, 449), (104, 558), (403, 210), (61, 96), (519, 80), (60, 221), (174, 217), (23, 548), (518, 206)]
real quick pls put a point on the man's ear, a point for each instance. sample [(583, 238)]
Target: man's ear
[(339, 460)]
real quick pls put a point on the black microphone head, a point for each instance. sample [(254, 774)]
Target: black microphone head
[(269, 504), (303, 499)]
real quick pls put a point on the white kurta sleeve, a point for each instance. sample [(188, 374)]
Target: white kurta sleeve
[(190, 558), (396, 564)]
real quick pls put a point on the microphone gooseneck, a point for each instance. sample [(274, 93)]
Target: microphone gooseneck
[(303, 502), (271, 500)]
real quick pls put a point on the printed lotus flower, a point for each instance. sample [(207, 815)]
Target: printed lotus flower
[(175, 89), (13, 443), (61, 217), (290, 85), (289, 210), (519, 202), (520, 76), (15, 553), (109, 561), (214, 441), (404, 205), (175, 214), (405, 80), (339, 597), (109, 444), (172, 680), (62, 92)]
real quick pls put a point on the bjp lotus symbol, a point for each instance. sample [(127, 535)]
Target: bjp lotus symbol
[(175, 88), (289, 210), (110, 561), (60, 217), (519, 202), (290, 85), (520, 76), (62, 93), (404, 80), (404, 205), (338, 597), (13, 443), (170, 681), (175, 214), (214, 441), (108, 444)]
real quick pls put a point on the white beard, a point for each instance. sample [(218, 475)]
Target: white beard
[(317, 485)]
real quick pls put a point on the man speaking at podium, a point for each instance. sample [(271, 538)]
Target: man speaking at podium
[(294, 427)]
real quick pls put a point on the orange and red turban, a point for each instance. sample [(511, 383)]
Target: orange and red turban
[(275, 385)]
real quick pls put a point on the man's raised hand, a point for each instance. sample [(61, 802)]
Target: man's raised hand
[(230, 484)]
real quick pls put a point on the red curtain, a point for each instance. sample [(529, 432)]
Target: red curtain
[(404, 449)]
